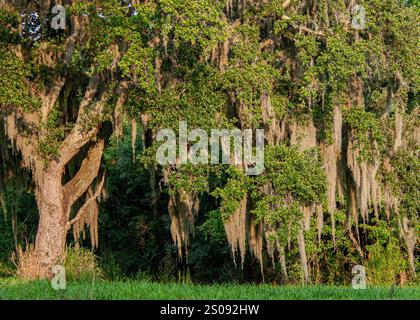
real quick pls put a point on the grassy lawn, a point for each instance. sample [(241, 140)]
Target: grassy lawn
[(17, 289)]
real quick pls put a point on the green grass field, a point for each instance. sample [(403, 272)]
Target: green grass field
[(17, 289)]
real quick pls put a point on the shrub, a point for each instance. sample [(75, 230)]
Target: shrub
[(27, 264), (81, 265), (385, 263)]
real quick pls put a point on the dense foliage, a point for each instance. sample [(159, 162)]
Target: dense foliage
[(339, 106)]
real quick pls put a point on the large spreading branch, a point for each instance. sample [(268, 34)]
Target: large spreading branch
[(83, 179), (88, 202), (79, 136)]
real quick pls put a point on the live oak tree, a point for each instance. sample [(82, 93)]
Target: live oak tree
[(58, 92), (62, 89), (303, 71)]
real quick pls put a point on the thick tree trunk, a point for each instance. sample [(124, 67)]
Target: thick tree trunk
[(52, 229), (55, 202)]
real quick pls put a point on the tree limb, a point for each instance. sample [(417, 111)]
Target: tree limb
[(77, 137), (88, 171), (52, 95), (87, 203)]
